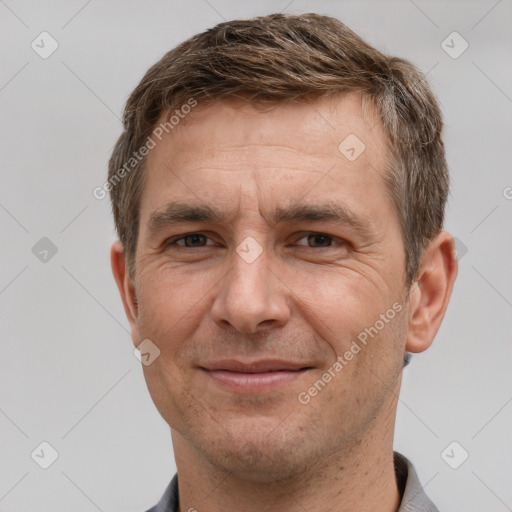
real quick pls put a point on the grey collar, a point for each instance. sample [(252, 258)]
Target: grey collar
[(413, 496)]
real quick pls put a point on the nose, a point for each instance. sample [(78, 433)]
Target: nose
[(252, 296)]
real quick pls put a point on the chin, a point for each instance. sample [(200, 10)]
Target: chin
[(258, 464), (257, 451)]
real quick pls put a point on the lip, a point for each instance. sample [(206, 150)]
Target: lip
[(260, 366), (255, 376)]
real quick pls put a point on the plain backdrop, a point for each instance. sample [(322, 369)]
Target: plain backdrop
[(68, 375)]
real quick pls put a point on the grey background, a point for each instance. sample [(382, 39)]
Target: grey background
[(68, 375)]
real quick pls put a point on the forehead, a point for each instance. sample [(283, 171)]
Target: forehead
[(220, 148), (314, 127)]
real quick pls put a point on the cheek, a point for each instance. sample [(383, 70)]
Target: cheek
[(167, 299), (169, 393), (166, 317), (364, 326), (341, 304), (368, 361)]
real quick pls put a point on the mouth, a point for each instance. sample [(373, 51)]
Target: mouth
[(257, 376)]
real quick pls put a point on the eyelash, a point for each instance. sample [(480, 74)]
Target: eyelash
[(172, 241)]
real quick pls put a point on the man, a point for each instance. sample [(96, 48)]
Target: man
[(279, 193)]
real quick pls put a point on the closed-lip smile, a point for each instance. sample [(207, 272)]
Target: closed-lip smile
[(254, 376)]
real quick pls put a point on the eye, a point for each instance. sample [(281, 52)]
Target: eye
[(191, 240), (320, 240), (313, 241)]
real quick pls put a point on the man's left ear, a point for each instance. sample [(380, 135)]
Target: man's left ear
[(431, 292)]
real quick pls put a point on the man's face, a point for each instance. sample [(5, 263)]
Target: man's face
[(250, 312)]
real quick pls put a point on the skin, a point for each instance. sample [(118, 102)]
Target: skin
[(304, 299)]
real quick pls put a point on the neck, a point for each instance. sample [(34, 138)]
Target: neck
[(361, 477), (342, 486)]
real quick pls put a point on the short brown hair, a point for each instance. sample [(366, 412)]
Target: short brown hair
[(278, 58)]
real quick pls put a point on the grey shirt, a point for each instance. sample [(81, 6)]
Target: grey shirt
[(414, 498)]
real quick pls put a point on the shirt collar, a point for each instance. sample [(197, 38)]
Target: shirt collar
[(413, 497)]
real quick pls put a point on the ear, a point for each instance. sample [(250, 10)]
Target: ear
[(431, 292), (126, 288)]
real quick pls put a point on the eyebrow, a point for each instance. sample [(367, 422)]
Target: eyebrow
[(179, 212)]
